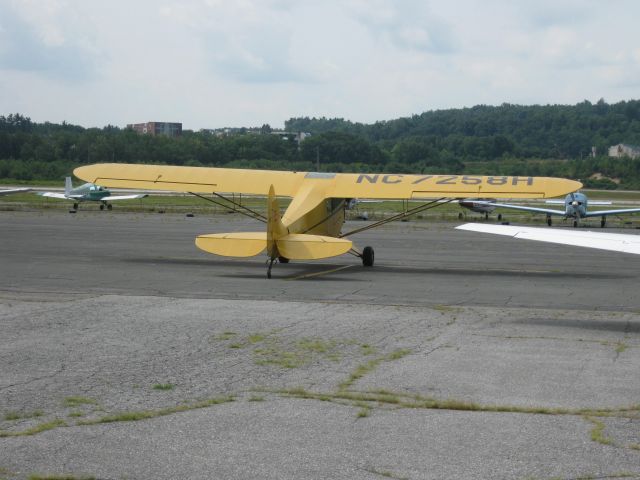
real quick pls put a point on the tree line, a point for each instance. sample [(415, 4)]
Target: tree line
[(551, 140)]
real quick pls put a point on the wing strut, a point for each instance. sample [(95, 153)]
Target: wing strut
[(413, 211), (243, 210)]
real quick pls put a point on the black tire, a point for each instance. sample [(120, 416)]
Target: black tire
[(101, 207), (575, 224), (460, 216), (549, 222), (367, 257), (603, 222), (109, 206), (499, 217), (283, 259), (486, 216), (75, 206)]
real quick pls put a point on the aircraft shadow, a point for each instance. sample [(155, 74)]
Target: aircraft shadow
[(337, 272)]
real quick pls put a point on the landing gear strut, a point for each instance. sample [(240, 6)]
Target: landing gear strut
[(367, 257), (269, 267)]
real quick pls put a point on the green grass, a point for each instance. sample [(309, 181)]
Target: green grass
[(77, 401), (42, 427), (148, 414), (256, 398), (9, 416), (164, 386), (597, 432), (363, 369)]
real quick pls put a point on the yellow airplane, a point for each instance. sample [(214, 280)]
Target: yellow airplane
[(310, 228)]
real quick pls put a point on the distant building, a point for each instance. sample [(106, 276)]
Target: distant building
[(168, 129), (624, 150)]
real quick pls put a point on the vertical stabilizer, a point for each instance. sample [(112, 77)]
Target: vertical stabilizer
[(275, 227), (68, 186)]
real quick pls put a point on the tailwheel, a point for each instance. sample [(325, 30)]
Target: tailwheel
[(603, 221), (367, 257)]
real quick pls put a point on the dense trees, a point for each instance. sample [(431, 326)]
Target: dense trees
[(507, 139)]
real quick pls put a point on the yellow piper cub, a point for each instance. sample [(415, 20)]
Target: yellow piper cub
[(311, 226)]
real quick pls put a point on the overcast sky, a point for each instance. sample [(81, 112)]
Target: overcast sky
[(216, 63)]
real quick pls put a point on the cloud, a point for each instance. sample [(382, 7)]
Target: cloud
[(41, 45)]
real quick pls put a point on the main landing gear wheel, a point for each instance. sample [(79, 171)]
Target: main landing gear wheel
[(367, 257), (109, 206), (283, 259), (75, 206), (575, 224), (549, 221), (486, 216), (603, 222), (101, 207), (499, 217)]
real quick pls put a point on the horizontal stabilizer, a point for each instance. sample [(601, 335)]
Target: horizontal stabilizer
[(291, 246), (242, 244), (297, 246)]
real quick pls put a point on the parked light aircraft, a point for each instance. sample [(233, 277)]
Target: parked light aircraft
[(575, 207), (89, 192), (618, 242), (479, 205), (14, 190), (310, 228)]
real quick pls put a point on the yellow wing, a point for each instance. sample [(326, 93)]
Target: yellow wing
[(327, 185)]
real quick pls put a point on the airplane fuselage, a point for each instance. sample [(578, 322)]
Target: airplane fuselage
[(89, 191), (575, 205)]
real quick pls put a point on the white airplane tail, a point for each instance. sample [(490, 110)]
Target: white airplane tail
[(68, 186)]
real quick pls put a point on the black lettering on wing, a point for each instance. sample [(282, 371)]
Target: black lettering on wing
[(447, 179)]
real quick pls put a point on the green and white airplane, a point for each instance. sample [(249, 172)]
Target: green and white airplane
[(89, 192)]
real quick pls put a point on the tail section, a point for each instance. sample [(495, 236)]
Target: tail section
[(275, 227), (68, 186)]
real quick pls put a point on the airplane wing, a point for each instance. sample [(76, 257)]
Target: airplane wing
[(599, 213), (14, 190), (54, 195), (617, 242), (320, 185), (111, 198), (547, 211)]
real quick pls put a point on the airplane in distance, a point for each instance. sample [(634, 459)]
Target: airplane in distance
[(479, 205), (617, 242), (311, 226), (575, 207), (14, 190), (89, 192)]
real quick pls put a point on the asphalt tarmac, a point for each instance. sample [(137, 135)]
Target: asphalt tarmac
[(126, 352)]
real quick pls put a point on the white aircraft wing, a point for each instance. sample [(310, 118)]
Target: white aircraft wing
[(54, 195), (598, 213), (14, 190), (548, 211), (110, 198), (617, 242)]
